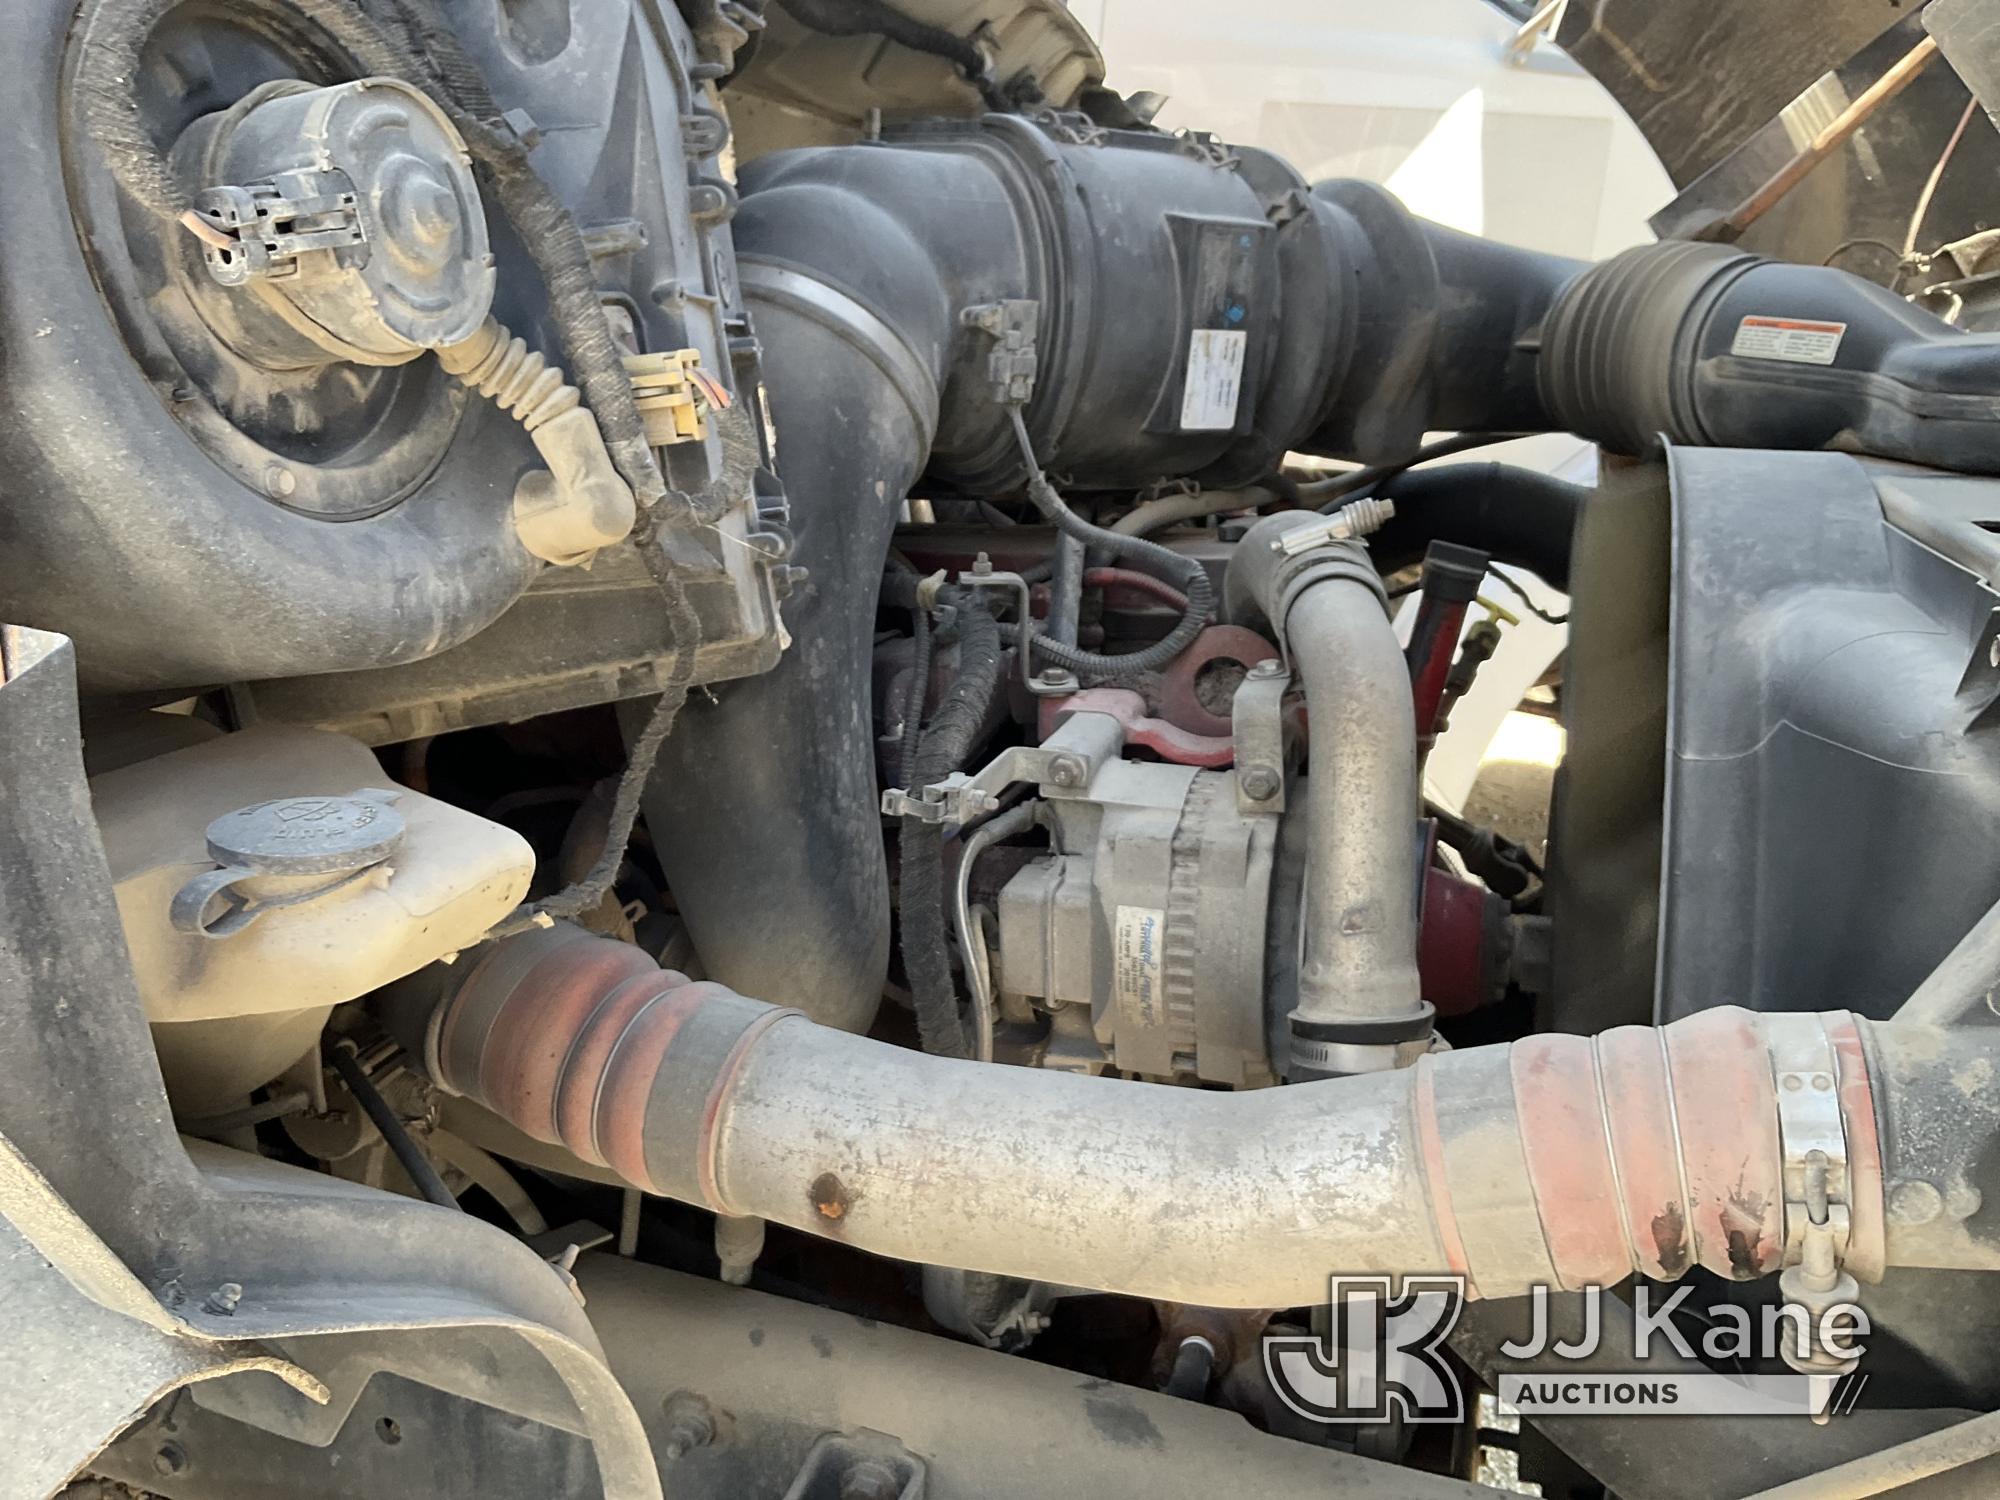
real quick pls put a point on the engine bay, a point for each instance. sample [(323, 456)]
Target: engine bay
[(714, 733)]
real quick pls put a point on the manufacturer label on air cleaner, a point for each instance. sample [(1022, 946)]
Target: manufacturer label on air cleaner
[(1136, 961), (1796, 340), (1214, 379)]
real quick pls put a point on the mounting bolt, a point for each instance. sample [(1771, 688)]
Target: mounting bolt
[(170, 1458), (222, 1301), (279, 481), (1270, 666), (869, 1480), (690, 1425), (1259, 783), (1066, 770), (1054, 682)]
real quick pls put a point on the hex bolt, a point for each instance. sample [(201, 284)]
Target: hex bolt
[(1259, 783), (1066, 770), (869, 1480), (223, 1300), (280, 481), (1270, 666), (690, 1425), (169, 1459), (1053, 675)]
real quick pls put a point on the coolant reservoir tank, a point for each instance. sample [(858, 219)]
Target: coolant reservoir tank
[(267, 876)]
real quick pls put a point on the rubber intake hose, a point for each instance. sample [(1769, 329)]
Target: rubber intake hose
[(1560, 1161), (1710, 346), (1518, 516)]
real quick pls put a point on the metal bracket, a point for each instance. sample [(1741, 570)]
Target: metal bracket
[(1062, 765), (259, 231), (1054, 683), (862, 1465), (1257, 721)]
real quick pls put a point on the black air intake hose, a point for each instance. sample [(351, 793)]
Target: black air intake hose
[(763, 807), (1714, 347)]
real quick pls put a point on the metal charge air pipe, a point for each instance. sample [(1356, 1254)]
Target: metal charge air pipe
[(1360, 1005), (1558, 1160)]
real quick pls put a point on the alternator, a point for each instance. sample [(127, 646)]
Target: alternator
[(1144, 929)]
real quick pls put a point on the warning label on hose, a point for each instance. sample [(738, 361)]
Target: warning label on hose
[(1214, 379), (1136, 962), (1796, 340)]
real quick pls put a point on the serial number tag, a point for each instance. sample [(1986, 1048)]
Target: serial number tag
[(1138, 960)]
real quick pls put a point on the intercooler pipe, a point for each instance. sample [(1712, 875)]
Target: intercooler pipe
[(1360, 1005), (763, 804), (1562, 1161)]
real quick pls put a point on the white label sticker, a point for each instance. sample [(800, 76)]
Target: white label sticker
[(1214, 379), (1136, 962), (1798, 340)]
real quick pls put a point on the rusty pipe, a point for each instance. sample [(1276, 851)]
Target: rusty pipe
[(1558, 1160)]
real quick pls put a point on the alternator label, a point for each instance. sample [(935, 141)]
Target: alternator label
[(1797, 340), (1137, 959), (1214, 379)]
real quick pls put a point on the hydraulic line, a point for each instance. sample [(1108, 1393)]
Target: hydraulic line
[(407, 1153), (1015, 820)]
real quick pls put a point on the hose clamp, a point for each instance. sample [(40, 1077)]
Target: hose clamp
[(1812, 1136)]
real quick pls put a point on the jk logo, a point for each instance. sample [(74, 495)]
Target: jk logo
[(1381, 1357)]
